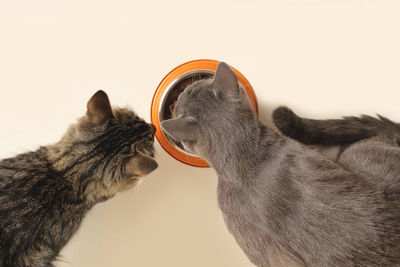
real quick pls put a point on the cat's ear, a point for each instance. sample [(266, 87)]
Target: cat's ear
[(98, 107), (181, 129), (140, 165), (226, 81)]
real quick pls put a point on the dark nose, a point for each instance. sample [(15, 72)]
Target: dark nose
[(152, 128)]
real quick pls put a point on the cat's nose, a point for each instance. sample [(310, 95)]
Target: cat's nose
[(152, 128)]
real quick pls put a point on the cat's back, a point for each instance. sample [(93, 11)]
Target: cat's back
[(23, 165), (30, 179), (26, 172), (298, 199), (34, 200), (345, 213), (377, 160)]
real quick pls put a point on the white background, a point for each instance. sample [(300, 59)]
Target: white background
[(324, 59)]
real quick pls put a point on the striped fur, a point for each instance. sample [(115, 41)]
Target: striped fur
[(45, 194)]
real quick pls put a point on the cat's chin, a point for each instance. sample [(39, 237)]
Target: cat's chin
[(188, 149), (192, 150), (129, 184), (132, 183)]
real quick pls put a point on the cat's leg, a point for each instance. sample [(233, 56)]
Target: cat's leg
[(331, 132)]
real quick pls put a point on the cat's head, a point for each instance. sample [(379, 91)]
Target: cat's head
[(108, 150), (208, 111)]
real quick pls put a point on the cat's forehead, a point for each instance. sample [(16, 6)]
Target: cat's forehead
[(125, 115), (196, 91), (126, 120)]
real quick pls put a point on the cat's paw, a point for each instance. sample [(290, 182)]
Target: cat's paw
[(285, 120)]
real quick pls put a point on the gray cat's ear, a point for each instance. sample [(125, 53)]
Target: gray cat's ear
[(98, 107), (140, 165), (226, 81), (181, 129)]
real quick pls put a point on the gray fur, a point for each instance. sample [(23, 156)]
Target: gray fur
[(285, 204), (45, 194)]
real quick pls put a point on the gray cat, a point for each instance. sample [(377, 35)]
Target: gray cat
[(284, 203), (45, 194)]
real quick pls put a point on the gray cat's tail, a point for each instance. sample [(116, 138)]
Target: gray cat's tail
[(332, 132)]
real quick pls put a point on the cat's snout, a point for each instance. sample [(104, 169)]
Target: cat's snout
[(152, 128), (152, 166)]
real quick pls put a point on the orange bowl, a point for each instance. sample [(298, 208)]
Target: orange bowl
[(167, 92)]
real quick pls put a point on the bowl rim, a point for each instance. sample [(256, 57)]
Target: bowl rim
[(160, 93)]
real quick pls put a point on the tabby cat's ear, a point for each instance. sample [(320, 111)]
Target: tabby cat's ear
[(98, 107), (226, 81), (181, 129), (140, 165)]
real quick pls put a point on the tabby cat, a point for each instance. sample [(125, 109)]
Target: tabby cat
[(285, 204), (45, 194)]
